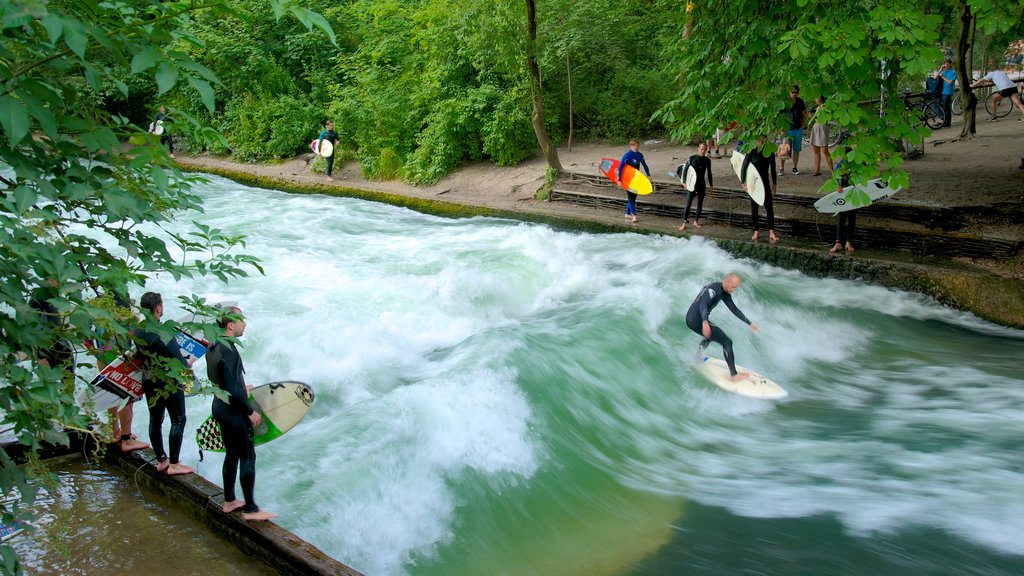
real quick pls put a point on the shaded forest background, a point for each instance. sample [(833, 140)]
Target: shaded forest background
[(417, 86)]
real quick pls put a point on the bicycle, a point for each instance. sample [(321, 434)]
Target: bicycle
[(931, 113), (957, 105), (1004, 108), (836, 134)]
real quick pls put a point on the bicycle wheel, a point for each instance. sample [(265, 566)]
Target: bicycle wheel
[(931, 118), (956, 106), (1004, 108), (835, 133)]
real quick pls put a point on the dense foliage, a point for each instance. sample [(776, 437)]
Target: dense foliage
[(80, 217), (416, 87)]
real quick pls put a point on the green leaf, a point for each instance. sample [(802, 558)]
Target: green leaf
[(13, 119), (24, 198), (166, 77), (75, 38), (146, 59), (205, 92), (54, 26)]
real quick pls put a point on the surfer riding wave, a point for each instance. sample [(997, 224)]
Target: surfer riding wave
[(700, 310)]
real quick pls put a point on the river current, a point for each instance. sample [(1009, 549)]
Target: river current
[(495, 397)]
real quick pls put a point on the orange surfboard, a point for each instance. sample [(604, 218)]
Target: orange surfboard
[(632, 179)]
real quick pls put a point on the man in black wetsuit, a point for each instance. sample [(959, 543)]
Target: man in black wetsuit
[(697, 319), (765, 166), (700, 163), (236, 418), (162, 393)]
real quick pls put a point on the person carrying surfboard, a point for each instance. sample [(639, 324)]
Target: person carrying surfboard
[(699, 311), (846, 221), (158, 128), (235, 416), (634, 158), (331, 136), (701, 165), (162, 393), (765, 166)]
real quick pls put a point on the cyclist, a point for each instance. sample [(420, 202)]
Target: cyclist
[(1006, 89)]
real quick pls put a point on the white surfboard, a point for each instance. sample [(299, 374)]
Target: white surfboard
[(753, 386), (281, 404), (837, 202), (691, 178), (157, 127), (755, 188), (326, 148)]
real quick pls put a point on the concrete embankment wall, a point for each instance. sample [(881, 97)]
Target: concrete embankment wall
[(991, 297)]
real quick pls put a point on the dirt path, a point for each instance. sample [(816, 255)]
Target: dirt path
[(980, 172)]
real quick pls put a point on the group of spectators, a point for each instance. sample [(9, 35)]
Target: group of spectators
[(166, 372)]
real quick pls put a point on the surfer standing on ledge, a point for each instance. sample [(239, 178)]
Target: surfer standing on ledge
[(634, 158), (235, 417), (697, 319)]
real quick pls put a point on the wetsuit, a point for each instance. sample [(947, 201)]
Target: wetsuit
[(701, 165), (846, 222), (332, 137), (699, 311), (165, 138), (163, 394), (60, 355), (634, 159), (225, 369), (765, 167)]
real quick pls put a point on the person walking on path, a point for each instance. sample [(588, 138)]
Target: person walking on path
[(159, 127), (796, 115), (163, 393), (235, 417), (634, 158), (331, 136), (701, 164), (765, 166), (697, 319), (1007, 89), (819, 139)]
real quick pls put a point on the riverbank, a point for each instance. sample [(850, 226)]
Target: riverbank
[(966, 176)]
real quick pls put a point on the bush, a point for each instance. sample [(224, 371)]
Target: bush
[(260, 129), (508, 136)]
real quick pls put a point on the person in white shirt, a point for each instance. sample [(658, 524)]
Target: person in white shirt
[(1006, 89)]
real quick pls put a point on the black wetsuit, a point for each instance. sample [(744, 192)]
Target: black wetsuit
[(846, 222), (701, 165), (225, 369), (699, 311), (765, 166), (163, 394), (60, 355), (165, 138)]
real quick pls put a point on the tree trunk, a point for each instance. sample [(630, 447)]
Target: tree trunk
[(550, 152), (568, 74), (964, 56), (688, 28)]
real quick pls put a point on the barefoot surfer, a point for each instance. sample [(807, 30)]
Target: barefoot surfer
[(697, 319), (236, 418), (634, 158)]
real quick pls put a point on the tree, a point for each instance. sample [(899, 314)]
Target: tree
[(77, 211), (550, 152), (741, 57)]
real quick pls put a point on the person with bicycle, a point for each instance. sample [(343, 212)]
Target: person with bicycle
[(1006, 89), (948, 76)]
